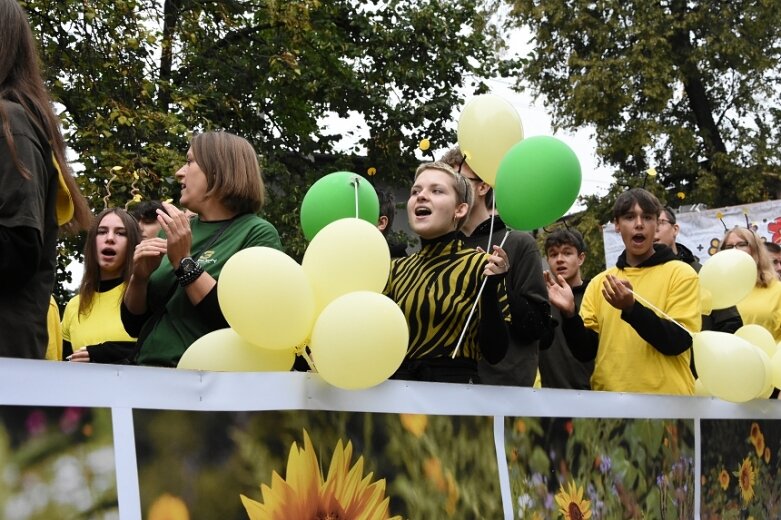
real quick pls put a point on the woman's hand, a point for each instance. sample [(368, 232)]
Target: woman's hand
[(147, 257), (498, 263), (176, 225), (80, 356)]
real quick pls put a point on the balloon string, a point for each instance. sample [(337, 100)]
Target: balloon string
[(474, 306), (660, 311), (355, 185), (491, 229)]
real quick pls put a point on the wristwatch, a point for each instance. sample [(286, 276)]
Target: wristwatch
[(188, 271)]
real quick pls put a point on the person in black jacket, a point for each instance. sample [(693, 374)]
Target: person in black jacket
[(723, 320), (37, 192), (565, 252), (530, 315)]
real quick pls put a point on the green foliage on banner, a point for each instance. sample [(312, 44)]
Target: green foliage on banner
[(433, 466), (57, 463), (633, 468), (741, 475)]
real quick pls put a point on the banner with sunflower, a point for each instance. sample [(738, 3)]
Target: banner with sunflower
[(157, 444)]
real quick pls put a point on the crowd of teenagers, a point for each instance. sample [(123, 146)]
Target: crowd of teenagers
[(479, 305)]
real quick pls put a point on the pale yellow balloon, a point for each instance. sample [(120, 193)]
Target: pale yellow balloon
[(487, 128), (775, 368), (730, 367), (759, 336), (347, 255), (729, 276), (225, 351), (359, 340), (266, 298), (699, 389), (768, 390)]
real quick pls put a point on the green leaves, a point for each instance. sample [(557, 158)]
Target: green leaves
[(134, 78)]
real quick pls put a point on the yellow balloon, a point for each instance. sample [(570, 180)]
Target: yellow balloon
[(729, 276), (768, 390), (347, 255), (359, 340), (487, 128), (759, 336), (730, 367), (775, 368), (266, 298), (699, 389), (225, 351)]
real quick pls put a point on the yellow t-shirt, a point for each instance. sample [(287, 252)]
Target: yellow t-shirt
[(626, 362), (101, 324), (762, 306), (54, 348)]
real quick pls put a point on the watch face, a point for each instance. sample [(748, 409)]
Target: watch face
[(188, 265)]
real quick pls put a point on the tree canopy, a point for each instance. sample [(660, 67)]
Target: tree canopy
[(688, 87), (136, 77)]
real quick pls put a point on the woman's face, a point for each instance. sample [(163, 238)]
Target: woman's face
[(735, 241), (111, 246), (193, 184), (431, 208)]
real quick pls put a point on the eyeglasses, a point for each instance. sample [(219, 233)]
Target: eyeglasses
[(664, 221), (739, 245)]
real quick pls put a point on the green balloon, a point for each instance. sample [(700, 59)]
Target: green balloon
[(537, 182), (333, 197)]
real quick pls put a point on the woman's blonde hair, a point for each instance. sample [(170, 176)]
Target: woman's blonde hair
[(464, 193), (765, 271)]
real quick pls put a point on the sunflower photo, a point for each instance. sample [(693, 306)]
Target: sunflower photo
[(315, 464), (600, 468), (57, 462), (740, 471)]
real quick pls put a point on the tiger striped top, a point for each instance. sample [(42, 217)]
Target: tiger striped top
[(436, 288)]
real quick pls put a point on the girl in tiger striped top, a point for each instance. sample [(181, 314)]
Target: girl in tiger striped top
[(437, 287)]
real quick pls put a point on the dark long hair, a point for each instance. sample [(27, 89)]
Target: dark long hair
[(91, 279), (21, 82)]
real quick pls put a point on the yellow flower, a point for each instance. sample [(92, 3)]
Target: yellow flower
[(344, 494), (424, 145), (724, 479), (571, 503), (651, 172), (767, 455), (137, 197), (452, 494), (755, 432), (414, 423), (442, 481), (432, 468), (371, 171), (746, 479), (116, 168), (168, 507), (759, 445), (681, 195), (720, 215)]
